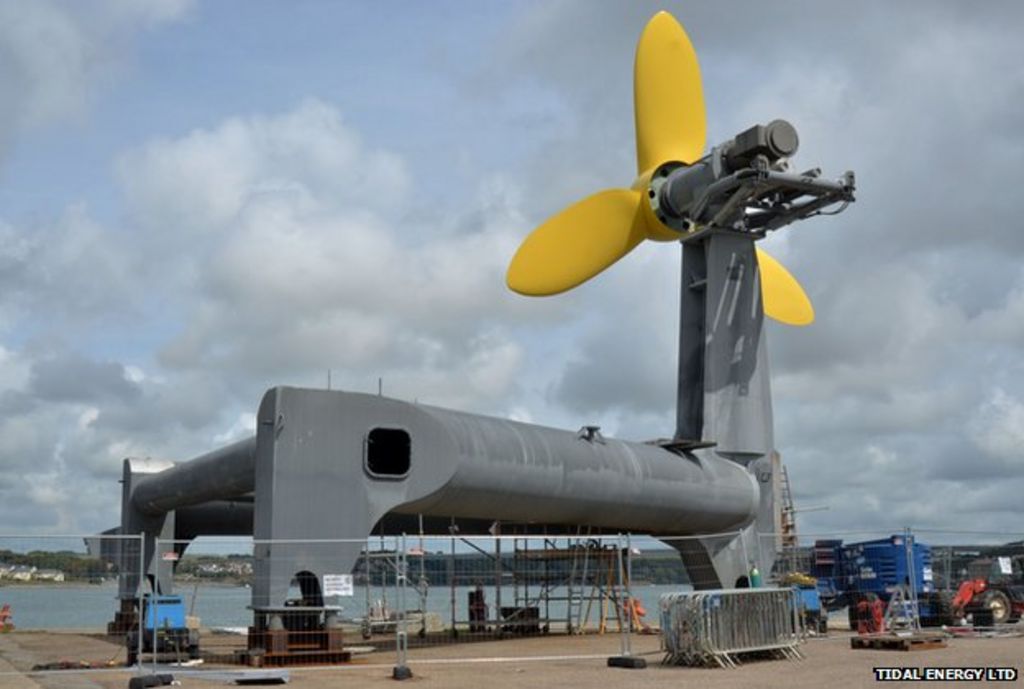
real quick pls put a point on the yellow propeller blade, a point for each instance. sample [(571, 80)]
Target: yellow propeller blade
[(578, 243), (668, 98), (784, 299)]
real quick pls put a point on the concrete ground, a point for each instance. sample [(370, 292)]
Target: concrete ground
[(513, 664)]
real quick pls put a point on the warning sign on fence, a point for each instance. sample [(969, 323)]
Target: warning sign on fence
[(338, 585)]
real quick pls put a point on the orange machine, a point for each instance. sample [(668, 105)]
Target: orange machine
[(1005, 601)]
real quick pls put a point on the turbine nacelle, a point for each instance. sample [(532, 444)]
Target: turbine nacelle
[(743, 185)]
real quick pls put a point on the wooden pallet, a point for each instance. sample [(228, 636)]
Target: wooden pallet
[(293, 658), (917, 642)]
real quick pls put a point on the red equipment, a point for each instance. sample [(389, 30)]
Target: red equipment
[(1004, 601), (870, 615)]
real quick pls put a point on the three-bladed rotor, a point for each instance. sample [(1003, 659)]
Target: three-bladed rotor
[(742, 186)]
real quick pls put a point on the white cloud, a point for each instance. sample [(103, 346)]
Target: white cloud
[(14, 370), (286, 262), (71, 268), (307, 259), (88, 417), (54, 56), (997, 427), (268, 246), (243, 427), (307, 159)]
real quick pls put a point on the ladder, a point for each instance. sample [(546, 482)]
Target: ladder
[(577, 581), (788, 512), (901, 613), (603, 588)]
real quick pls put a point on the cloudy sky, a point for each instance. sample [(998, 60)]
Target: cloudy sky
[(201, 200)]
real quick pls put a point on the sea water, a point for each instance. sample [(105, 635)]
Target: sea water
[(91, 606)]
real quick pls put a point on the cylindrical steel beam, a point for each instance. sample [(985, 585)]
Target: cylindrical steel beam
[(219, 475), (471, 467), (526, 473), (217, 518)]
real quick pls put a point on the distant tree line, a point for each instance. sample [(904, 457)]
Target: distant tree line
[(470, 569), (74, 565), (439, 569), (233, 568)]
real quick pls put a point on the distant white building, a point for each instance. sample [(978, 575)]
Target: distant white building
[(48, 575), (21, 573), (29, 573)]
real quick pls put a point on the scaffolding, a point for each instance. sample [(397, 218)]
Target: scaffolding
[(557, 586), (570, 585), (510, 584), (376, 572)]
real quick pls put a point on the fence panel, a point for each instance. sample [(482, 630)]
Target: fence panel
[(554, 595), (412, 600), (271, 611), (409, 600), (979, 576), (656, 568), (721, 626), (59, 604)]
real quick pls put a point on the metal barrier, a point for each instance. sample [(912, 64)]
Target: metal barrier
[(59, 607), (407, 601), (422, 600), (705, 627)]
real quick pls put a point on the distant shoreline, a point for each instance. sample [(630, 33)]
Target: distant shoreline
[(181, 584), (50, 584)]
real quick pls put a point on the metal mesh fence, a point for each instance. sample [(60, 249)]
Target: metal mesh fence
[(219, 604), (259, 604), (60, 609), (669, 565), (389, 601), (463, 590)]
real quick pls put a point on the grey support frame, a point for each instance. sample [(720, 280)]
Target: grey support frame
[(724, 393), (310, 482)]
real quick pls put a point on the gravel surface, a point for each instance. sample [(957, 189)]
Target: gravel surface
[(829, 662)]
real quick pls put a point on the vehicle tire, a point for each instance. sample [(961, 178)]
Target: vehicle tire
[(999, 603)]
